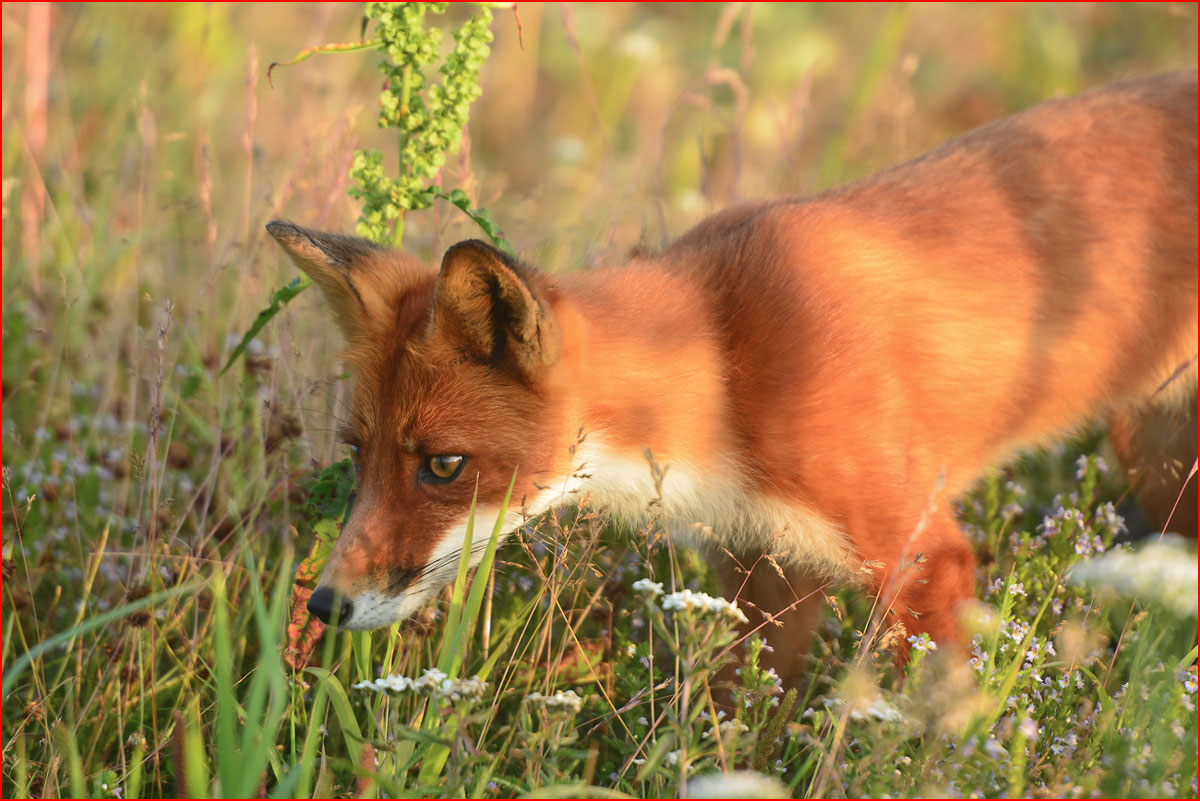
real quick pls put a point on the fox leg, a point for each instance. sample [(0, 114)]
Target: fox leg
[(782, 604), (1156, 445), (924, 586)]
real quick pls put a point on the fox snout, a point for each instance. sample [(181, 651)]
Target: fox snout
[(325, 601), (371, 580)]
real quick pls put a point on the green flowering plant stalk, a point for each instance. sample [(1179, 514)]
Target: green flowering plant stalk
[(430, 120), (429, 116)]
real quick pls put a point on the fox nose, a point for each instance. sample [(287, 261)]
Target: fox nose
[(321, 602)]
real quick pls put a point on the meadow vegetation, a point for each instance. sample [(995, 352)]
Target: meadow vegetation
[(156, 510)]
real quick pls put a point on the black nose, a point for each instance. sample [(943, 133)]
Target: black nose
[(321, 604)]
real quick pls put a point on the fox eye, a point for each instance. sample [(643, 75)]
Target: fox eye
[(445, 467), (355, 457)]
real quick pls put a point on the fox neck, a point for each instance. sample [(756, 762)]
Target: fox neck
[(647, 390)]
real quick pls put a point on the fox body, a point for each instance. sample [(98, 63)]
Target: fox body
[(821, 377)]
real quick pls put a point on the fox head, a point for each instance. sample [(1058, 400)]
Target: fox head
[(459, 383)]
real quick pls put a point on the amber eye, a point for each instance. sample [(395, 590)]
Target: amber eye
[(445, 467)]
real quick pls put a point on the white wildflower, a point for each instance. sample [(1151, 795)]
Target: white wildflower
[(394, 684), (648, 587), (472, 689), (432, 682), (704, 604), (561, 702)]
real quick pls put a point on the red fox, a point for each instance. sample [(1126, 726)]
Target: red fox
[(821, 376)]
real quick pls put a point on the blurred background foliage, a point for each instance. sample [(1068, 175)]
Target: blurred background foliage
[(144, 150)]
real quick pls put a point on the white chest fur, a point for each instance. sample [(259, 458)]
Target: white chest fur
[(690, 500)]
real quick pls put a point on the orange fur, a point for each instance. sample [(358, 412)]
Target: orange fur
[(823, 376)]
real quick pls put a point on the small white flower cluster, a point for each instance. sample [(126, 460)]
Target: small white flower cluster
[(729, 729), (1164, 571), (877, 709), (704, 604), (561, 702), (433, 683), (648, 587), (471, 689)]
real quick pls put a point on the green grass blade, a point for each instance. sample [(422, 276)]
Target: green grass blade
[(21, 663), (470, 614), (454, 645), (195, 762), (64, 740), (268, 686), (879, 56), (287, 787), (133, 785), (308, 752), (454, 616), (279, 298), (226, 734), (341, 707)]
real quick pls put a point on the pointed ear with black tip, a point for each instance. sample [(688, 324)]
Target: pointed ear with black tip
[(486, 300), (330, 260)]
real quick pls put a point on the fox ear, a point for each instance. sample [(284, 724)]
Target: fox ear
[(486, 300), (330, 260)]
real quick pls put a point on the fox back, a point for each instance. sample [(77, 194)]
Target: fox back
[(820, 376)]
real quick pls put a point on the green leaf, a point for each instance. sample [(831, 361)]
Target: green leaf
[(329, 493), (281, 296), (482, 218), (341, 707), (332, 47)]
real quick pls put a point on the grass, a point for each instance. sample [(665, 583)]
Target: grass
[(155, 511)]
